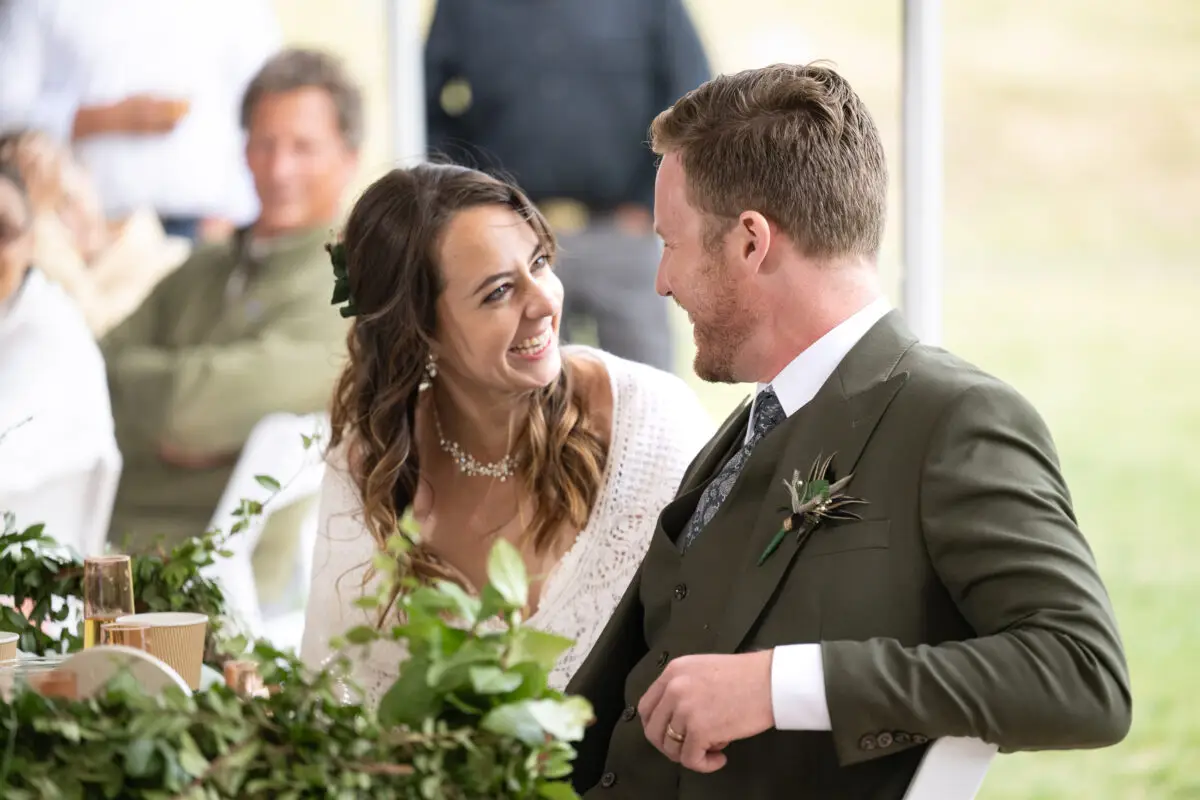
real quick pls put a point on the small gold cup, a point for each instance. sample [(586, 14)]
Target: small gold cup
[(243, 678), (126, 634), (8, 646)]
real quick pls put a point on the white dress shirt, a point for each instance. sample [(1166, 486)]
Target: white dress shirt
[(55, 413), (59, 55), (797, 674)]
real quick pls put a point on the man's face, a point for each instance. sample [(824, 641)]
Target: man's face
[(16, 238), (700, 279), (300, 162)]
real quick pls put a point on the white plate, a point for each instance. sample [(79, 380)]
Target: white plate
[(96, 666)]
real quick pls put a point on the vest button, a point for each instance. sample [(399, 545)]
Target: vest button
[(663, 658), (629, 713), (681, 591), (608, 779)]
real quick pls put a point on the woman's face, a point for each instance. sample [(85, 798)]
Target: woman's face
[(501, 303)]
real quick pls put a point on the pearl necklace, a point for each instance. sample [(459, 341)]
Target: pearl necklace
[(466, 463)]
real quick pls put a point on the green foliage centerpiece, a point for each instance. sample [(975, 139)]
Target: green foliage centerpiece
[(471, 714)]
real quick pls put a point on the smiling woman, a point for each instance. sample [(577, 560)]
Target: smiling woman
[(459, 405)]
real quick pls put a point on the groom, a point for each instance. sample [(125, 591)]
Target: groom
[(963, 601)]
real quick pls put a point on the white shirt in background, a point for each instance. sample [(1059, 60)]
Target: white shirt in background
[(55, 415), (59, 55)]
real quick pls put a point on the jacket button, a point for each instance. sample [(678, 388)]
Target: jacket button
[(884, 739), (629, 713), (901, 738), (663, 658), (608, 779), (919, 739), (681, 591), (867, 742)]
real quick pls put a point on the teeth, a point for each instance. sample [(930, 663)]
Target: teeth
[(534, 343)]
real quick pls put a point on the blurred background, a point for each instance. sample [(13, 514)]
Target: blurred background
[(1072, 195)]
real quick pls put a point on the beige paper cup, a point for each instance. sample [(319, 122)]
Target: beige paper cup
[(8, 646), (177, 638)]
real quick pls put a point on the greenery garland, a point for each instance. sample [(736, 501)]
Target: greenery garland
[(470, 715)]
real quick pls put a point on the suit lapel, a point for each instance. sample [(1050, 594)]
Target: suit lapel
[(716, 452), (719, 449), (839, 422)]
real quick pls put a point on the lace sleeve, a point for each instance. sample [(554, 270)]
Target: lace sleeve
[(341, 556), (341, 560)]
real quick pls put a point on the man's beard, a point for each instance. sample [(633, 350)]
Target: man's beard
[(724, 326)]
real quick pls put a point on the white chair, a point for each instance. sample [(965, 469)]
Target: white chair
[(75, 505), (275, 449), (953, 769)]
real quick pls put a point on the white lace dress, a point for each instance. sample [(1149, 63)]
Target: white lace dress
[(658, 428)]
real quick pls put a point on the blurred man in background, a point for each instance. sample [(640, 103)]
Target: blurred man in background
[(245, 328), (146, 92), (560, 96)]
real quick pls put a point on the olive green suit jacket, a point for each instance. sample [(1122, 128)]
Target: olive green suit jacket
[(965, 602)]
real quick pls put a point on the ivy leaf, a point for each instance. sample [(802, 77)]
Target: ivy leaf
[(506, 572), (190, 759), (466, 607), (530, 720), (139, 758), (516, 720), (493, 680), (538, 647), (490, 603), (557, 791), (361, 635), (411, 699), (267, 482), (563, 719)]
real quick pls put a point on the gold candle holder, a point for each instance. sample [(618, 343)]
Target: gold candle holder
[(243, 678), (54, 682)]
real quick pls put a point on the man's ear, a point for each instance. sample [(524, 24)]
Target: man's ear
[(753, 239)]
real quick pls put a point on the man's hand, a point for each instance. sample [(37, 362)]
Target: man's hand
[(176, 457), (215, 229), (708, 701), (139, 114)]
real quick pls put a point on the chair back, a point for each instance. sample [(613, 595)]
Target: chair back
[(953, 769), (275, 449)]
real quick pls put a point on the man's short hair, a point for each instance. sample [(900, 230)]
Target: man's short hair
[(794, 143), (298, 68)]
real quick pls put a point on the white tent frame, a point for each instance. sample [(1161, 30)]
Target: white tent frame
[(921, 159)]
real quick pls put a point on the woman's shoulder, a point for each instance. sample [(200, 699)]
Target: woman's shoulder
[(634, 377), (653, 411)]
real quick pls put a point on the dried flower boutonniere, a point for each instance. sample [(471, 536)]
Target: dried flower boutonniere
[(814, 501)]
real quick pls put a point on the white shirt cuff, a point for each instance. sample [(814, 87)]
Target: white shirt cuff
[(798, 688)]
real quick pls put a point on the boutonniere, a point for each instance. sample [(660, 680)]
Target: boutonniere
[(814, 500)]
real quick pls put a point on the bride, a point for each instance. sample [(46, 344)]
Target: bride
[(459, 403)]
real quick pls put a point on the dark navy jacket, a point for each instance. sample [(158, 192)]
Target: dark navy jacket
[(562, 91)]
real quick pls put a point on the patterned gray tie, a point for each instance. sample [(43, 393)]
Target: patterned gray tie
[(767, 414)]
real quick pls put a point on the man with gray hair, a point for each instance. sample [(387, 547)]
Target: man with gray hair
[(242, 329)]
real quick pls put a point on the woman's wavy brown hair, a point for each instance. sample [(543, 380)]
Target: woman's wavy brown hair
[(391, 240)]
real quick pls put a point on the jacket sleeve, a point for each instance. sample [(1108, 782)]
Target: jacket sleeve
[(206, 398), (1046, 669)]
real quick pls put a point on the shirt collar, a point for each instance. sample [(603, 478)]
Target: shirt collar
[(799, 381)]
